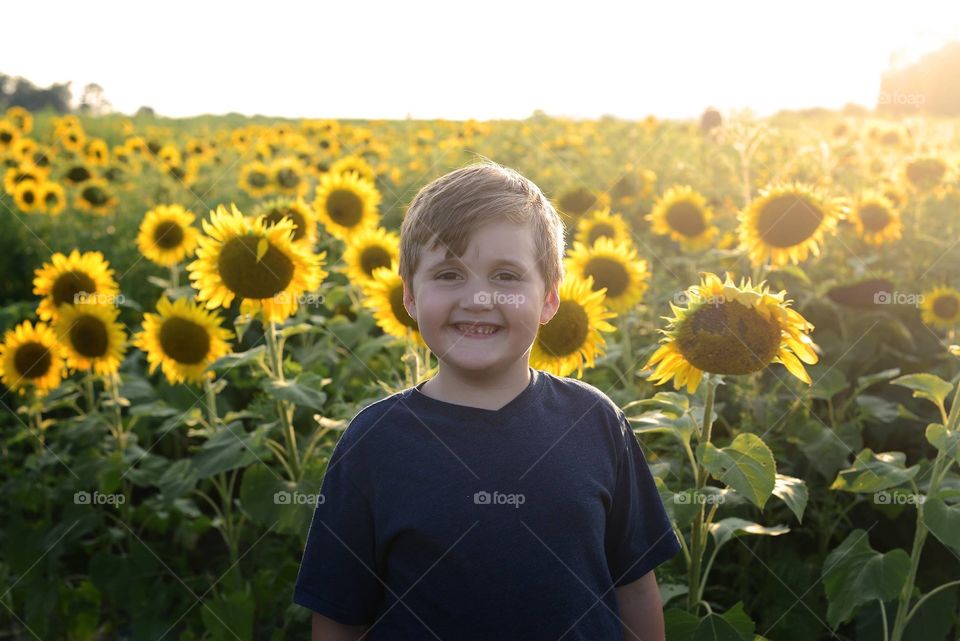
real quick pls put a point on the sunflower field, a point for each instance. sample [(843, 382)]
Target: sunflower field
[(193, 310)]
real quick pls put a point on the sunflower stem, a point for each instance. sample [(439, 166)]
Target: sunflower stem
[(210, 398), (174, 276), (283, 407), (88, 389), (699, 531)]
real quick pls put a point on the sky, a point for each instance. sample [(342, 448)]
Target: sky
[(482, 59)]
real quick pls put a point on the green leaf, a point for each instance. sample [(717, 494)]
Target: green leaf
[(854, 574), (238, 359), (300, 328), (727, 529), (747, 465), (793, 492), (670, 591), (682, 427), (229, 448), (673, 400), (943, 521), (679, 625), (229, 617), (827, 385), (870, 380), (714, 627), (828, 450), (177, 480), (304, 391), (878, 408), (928, 386), (946, 442), (873, 472)]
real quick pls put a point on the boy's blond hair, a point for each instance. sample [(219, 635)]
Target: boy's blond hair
[(450, 209)]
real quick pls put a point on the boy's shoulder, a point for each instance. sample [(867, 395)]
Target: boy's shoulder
[(575, 393)]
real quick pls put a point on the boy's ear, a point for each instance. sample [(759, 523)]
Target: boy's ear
[(551, 304), (408, 301)]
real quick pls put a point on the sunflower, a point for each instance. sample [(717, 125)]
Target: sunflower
[(788, 222), (602, 224), (368, 250), (940, 307), (71, 137), (9, 135), (167, 235), (383, 295), (578, 201), (614, 267), (91, 337), (926, 172), (30, 357), (288, 176), (346, 204), (571, 339), (255, 179), (632, 185), (876, 219), (255, 262), (684, 215), (77, 173), (302, 216), (14, 176), (355, 164), (95, 196), (730, 329), (182, 338), (71, 279), (21, 119), (51, 198), (97, 152), (27, 197)]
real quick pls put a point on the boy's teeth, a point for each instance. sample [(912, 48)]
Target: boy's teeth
[(472, 329)]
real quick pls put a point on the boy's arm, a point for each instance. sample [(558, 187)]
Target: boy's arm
[(641, 610), (326, 629)]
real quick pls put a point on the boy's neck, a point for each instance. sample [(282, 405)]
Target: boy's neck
[(484, 393)]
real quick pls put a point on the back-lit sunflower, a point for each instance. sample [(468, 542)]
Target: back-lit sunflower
[(96, 152), (289, 177), (73, 279), (633, 184), (685, 216), (167, 235), (577, 201), (926, 172), (730, 329), (31, 358), (941, 307), (368, 250), (571, 340), (91, 337), (383, 295), (255, 179), (786, 223), (876, 220), (51, 198), (26, 196), (95, 196), (253, 261), (9, 135), (21, 118), (302, 216), (183, 339), (355, 164), (613, 266), (77, 173), (22, 173), (602, 224), (346, 204)]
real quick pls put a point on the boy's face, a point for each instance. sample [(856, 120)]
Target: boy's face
[(497, 283)]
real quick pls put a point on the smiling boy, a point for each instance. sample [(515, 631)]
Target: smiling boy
[(494, 500)]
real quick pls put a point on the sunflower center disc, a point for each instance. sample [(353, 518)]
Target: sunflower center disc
[(249, 277), (32, 360), (566, 332), (184, 341), (874, 217), (88, 335), (69, 284), (687, 219), (345, 207), (95, 196), (608, 273), (257, 179), (728, 338), (168, 234), (578, 202), (601, 230), (299, 226), (399, 311), (788, 220), (288, 178), (926, 172), (945, 306), (373, 257)]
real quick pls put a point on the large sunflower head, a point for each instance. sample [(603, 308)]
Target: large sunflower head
[(368, 250), (346, 204), (876, 220), (289, 177), (383, 295), (91, 337), (182, 338), (255, 262), (571, 340), (730, 329), (926, 172), (167, 235), (613, 267), (577, 201), (355, 164), (941, 307), (602, 224), (786, 223), (302, 216), (31, 359), (684, 215), (73, 279)]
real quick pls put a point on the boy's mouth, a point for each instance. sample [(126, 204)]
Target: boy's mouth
[(476, 330)]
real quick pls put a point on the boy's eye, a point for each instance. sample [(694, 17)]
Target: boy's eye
[(441, 275), (509, 275)]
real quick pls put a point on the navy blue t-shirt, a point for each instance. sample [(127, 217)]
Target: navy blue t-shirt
[(443, 521)]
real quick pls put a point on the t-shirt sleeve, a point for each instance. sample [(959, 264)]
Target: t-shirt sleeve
[(638, 535), (337, 575)]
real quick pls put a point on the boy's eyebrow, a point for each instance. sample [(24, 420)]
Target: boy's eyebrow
[(498, 262)]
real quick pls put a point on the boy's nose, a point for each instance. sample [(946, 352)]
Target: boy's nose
[(477, 297)]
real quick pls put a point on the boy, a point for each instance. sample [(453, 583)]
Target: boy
[(493, 501)]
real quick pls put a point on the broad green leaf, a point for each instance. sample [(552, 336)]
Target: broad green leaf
[(827, 385), (793, 492), (674, 400), (854, 574), (747, 465), (304, 391), (177, 480), (877, 377), (238, 359), (828, 450), (229, 617), (300, 328), (682, 426), (726, 529), (946, 442), (943, 521), (714, 627), (679, 625), (928, 386), (878, 408), (872, 472), (670, 591), (229, 448)]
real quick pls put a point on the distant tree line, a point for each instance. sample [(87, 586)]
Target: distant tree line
[(16, 91), (931, 85)]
